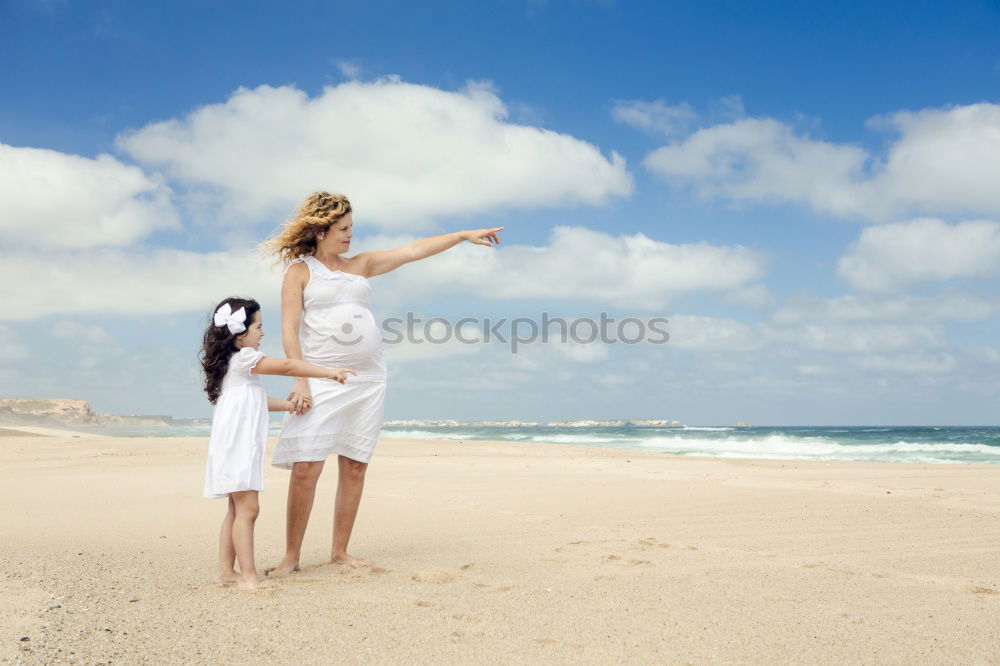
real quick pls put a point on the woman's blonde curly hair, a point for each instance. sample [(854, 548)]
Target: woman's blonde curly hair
[(297, 237)]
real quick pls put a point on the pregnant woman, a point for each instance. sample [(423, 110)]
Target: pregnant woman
[(325, 320)]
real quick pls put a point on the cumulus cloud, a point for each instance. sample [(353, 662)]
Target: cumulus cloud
[(77, 332), (896, 255), (140, 282), (53, 199), (912, 363), (754, 159), (432, 340), (695, 332), (943, 161), (837, 337), (863, 308), (581, 264), (405, 153)]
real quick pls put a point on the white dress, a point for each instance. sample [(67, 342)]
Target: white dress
[(337, 331), (239, 429)]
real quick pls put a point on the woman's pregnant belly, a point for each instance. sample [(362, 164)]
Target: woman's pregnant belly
[(343, 336)]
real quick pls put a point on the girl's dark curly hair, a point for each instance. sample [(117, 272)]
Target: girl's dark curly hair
[(218, 344)]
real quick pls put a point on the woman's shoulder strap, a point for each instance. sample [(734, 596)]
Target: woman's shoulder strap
[(304, 259)]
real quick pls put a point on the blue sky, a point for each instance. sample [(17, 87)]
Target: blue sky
[(809, 191)]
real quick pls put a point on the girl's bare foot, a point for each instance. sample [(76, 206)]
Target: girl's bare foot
[(249, 582), (225, 577), (286, 567), (350, 560)]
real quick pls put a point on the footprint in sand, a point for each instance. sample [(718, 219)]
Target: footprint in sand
[(436, 577), (465, 617)]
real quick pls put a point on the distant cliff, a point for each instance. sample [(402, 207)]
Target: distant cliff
[(29, 411)]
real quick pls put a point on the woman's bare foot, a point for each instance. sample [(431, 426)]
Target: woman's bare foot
[(350, 560), (285, 568), (225, 577), (249, 582)]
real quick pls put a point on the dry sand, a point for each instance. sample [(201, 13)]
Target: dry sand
[(496, 552)]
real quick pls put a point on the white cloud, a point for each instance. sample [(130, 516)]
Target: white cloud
[(578, 265), (912, 363), (580, 352), (944, 160), (695, 332), (896, 255), (763, 160), (436, 340), (140, 282), (52, 199), (404, 153), (860, 309), (581, 264), (656, 117), (80, 333), (349, 68), (873, 337)]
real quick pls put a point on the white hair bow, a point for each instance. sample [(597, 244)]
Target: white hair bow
[(225, 316)]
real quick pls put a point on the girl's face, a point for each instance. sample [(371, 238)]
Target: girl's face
[(337, 238), (255, 331)]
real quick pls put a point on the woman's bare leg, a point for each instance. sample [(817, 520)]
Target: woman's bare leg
[(247, 509), (349, 487), (227, 554), (301, 493)]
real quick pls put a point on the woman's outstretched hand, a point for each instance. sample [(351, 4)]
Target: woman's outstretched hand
[(486, 237)]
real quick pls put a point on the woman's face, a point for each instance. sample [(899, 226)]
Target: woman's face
[(337, 239)]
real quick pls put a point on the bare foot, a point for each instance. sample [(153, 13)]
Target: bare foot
[(351, 561), (225, 577), (285, 568), (249, 582)]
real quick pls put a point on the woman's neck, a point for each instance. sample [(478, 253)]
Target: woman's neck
[(328, 258)]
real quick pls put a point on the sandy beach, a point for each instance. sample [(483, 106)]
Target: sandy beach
[(497, 552)]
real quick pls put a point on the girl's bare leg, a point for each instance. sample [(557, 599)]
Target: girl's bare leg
[(247, 509), (227, 554), (349, 487), (301, 493)]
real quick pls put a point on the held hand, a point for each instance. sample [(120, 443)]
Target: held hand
[(487, 237), (300, 397), (340, 374)]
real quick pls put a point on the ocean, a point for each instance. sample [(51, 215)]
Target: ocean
[(913, 444)]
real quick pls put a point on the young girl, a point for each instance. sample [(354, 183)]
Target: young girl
[(231, 359)]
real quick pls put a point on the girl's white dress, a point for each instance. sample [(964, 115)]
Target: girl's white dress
[(239, 429), (338, 331)]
